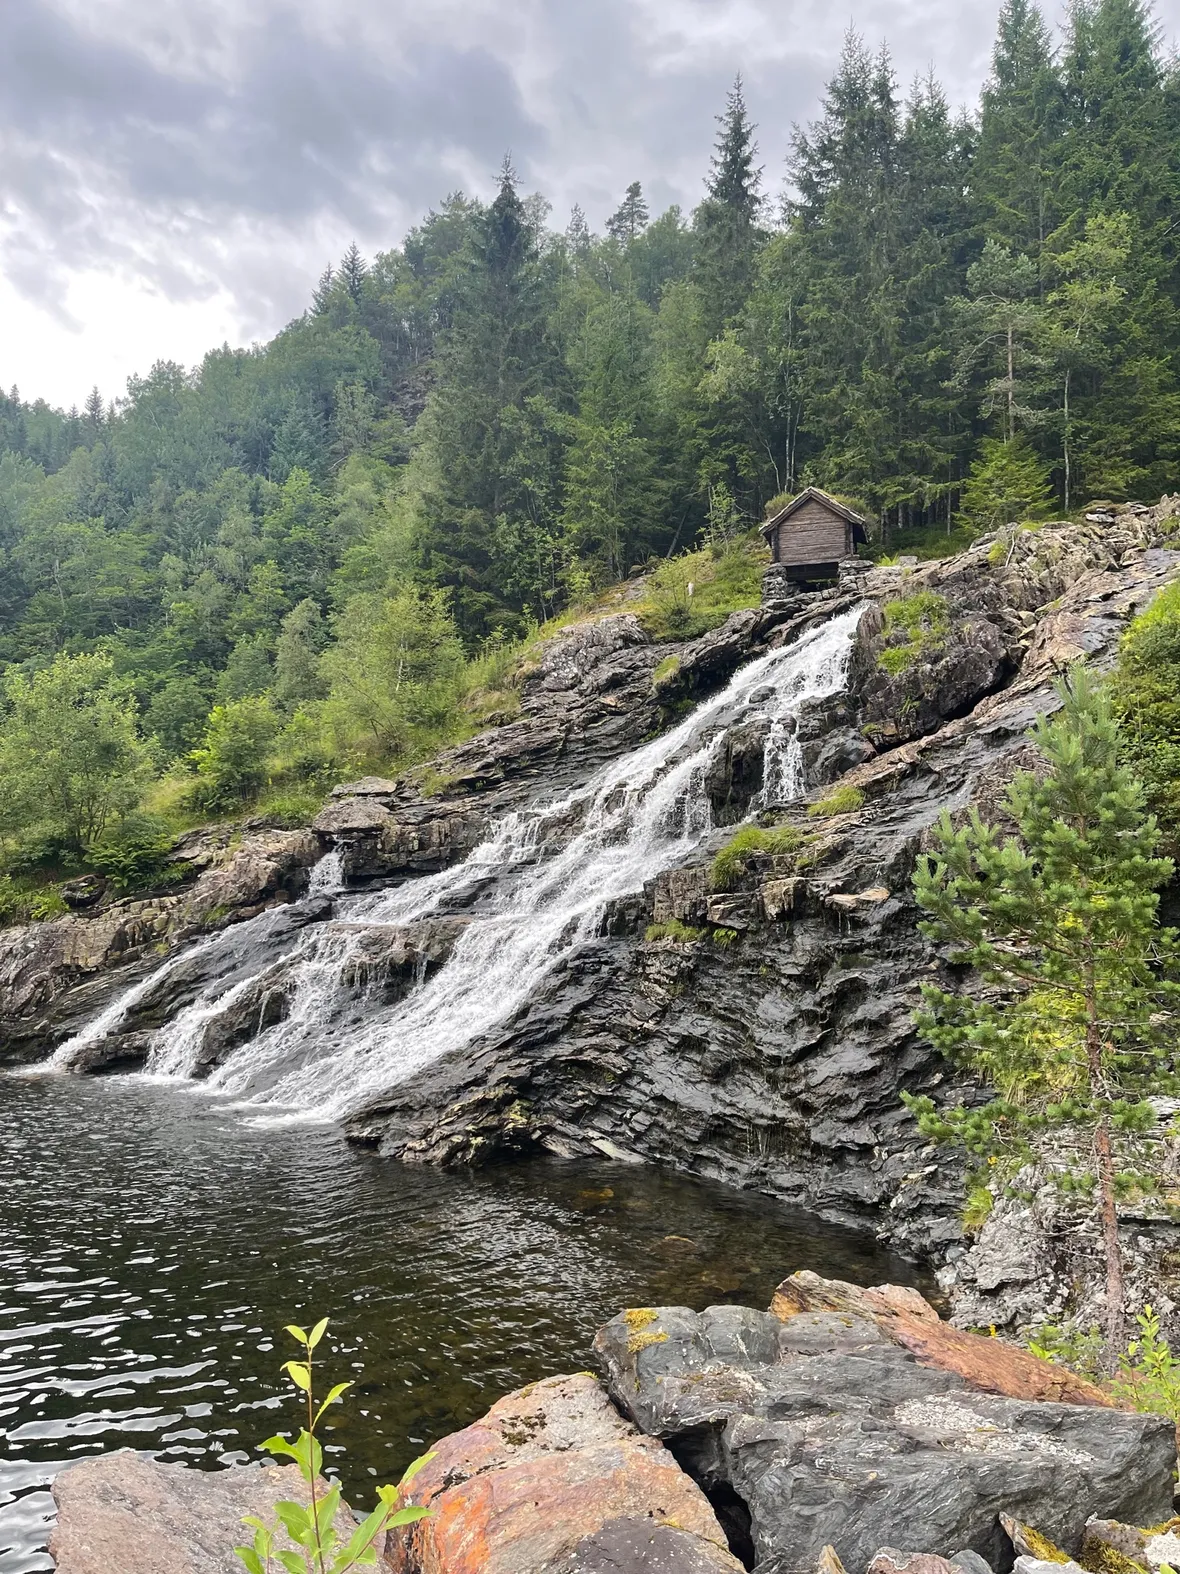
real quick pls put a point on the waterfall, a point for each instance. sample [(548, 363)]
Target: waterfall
[(534, 891)]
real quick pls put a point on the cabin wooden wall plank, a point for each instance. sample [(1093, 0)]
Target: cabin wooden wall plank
[(812, 535)]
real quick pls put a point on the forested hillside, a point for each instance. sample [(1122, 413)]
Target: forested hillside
[(308, 556)]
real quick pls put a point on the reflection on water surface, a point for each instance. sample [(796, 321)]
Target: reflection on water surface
[(152, 1247)]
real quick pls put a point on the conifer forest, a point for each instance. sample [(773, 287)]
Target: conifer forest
[(307, 556)]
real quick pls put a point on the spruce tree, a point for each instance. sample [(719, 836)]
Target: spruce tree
[(1021, 121), (321, 296), (1007, 483), (631, 216), (999, 327), (353, 271), (1076, 1030), (726, 223)]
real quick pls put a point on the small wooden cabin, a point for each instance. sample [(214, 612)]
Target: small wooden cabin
[(809, 537)]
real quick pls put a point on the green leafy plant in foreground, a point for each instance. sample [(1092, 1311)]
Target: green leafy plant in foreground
[(1147, 1377), (312, 1528), (1149, 1374)]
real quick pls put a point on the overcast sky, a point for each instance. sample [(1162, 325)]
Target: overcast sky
[(176, 173)]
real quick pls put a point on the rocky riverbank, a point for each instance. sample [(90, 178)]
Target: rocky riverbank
[(842, 1428), (759, 1034)]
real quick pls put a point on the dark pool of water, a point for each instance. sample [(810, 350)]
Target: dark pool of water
[(152, 1247)]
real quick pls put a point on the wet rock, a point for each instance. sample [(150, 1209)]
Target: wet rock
[(546, 1471), (736, 911), (266, 869), (679, 894), (40, 963), (125, 1514), (83, 892), (735, 778), (833, 1433)]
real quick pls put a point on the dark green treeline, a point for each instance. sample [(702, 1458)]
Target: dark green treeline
[(945, 310)]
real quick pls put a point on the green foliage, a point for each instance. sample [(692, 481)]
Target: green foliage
[(316, 1543), (1145, 698), (724, 937), (729, 866), (232, 761), (1077, 1027), (1078, 1348), (70, 757), (1008, 482), (21, 904), (135, 852), (1149, 1374), (394, 674), (916, 627), (977, 1208), (691, 594), (843, 800), (683, 934), (666, 671), (290, 809)]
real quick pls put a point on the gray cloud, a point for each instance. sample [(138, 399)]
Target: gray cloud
[(212, 146)]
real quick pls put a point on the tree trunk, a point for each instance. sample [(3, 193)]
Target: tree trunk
[(1011, 388), (1109, 1219)]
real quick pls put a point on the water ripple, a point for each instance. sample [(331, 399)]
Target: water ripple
[(152, 1248)]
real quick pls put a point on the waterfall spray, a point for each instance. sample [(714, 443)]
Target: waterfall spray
[(542, 891)]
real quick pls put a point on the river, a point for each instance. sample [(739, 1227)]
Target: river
[(152, 1245)]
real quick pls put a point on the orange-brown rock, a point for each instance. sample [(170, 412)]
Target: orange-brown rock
[(546, 1469), (989, 1365)]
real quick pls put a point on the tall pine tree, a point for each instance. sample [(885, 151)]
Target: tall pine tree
[(726, 224)]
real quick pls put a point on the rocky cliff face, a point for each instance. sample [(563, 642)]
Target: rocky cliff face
[(768, 1045), (764, 1039)]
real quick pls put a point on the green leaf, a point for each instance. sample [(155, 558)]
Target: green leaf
[(299, 1373), (366, 1531), (280, 1445), (248, 1556), (317, 1333), (415, 1466), (296, 1333), (293, 1562), (296, 1521), (326, 1510), (333, 1395), (410, 1515)]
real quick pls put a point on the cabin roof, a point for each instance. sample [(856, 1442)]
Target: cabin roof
[(811, 494)]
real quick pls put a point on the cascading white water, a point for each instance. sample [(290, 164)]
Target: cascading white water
[(536, 890)]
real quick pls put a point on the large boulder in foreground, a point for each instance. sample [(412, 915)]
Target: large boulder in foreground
[(123, 1513), (554, 1481), (831, 1430)]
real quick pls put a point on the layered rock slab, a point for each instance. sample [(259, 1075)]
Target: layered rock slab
[(554, 1481), (831, 1433), (123, 1513)]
